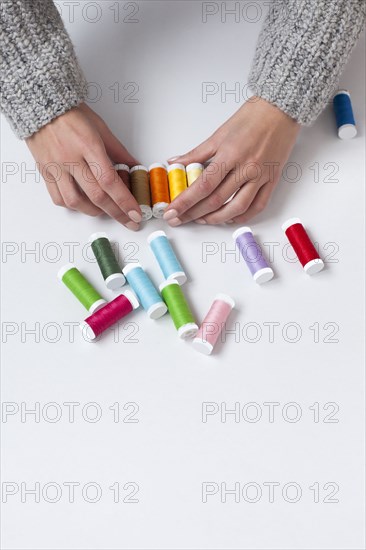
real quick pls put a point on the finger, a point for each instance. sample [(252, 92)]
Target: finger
[(201, 153), (54, 192), (115, 149), (230, 185), (208, 181), (91, 188), (258, 205), (74, 198), (109, 181), (237, 206)]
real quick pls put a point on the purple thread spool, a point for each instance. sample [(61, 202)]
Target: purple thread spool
[(252, 254)]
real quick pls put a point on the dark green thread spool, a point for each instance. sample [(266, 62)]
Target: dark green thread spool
[(107, 261)]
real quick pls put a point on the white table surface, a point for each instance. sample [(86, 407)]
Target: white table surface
[(169, 452)]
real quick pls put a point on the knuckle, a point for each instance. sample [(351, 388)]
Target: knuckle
[(259, 205), (108, 179), (95, 213), (204, 187), (57, 201), (215, 201), (184, 203), (97, 196), (72, 201)]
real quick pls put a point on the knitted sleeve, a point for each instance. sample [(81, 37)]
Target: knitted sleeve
[(40, 76), (301, 52)]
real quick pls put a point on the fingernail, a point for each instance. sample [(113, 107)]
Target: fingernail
[(133, 226), (230, 221), (135, 216), (170, 215), (201, 222), (174, 222), (174, 158)]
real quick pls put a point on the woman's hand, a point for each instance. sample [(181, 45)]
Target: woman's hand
[(247, 155), (76, 153)]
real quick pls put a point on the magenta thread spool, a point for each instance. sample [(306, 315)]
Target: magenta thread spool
[(213, 323), (97, 323), (252, 254)]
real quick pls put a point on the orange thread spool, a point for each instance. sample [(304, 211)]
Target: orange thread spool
[(159, 188)]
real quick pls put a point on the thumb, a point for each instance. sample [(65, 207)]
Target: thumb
[(201, 153)]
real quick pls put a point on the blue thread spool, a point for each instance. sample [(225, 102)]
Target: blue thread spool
[(344, 115), (143, 287), (166, 257)]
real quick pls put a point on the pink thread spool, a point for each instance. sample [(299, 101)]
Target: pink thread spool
[(213, 323)]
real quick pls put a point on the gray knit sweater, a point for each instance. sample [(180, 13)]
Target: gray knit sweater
[(301, 51)]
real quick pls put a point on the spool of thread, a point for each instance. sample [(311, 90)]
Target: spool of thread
[(145, 290), (124, 173), (302, 245), (140, 189), (344, 115), (177, 179), (166, 258), (107, 261), (178, 308), (252, 254), (159, 187), (194, 171), (109, 315), (213, 324), (81, 288)]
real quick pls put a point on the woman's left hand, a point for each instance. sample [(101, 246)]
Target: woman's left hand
[(247, 155)]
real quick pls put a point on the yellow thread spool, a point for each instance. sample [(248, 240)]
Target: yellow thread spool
[(177, 180), (194, 171)]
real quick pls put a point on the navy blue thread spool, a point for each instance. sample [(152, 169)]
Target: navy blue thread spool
[(344, 115)]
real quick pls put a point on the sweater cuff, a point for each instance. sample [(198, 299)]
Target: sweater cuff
[(40, 75), (301, 52)]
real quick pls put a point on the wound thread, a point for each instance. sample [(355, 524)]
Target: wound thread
[(177, 180), (107, 261), (109, 315), (124, 173), (140, 189), (178, 308), (159, 187), (81, 288), (194, 170)]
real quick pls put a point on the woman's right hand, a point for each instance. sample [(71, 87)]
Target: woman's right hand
[(76, 153)]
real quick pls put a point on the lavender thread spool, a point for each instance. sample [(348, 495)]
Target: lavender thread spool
[(252, 254)]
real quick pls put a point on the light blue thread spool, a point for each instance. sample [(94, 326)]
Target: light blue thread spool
[(143, 287), (166, 257), (344, 115)]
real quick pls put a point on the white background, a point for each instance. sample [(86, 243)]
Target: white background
[(170, 452)]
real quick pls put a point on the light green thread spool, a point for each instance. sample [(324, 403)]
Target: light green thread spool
[(107, 261), (178, 308), (81, 288)]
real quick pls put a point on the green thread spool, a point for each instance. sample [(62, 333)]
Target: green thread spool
[(107, 261), (178, 308), (81, 288)]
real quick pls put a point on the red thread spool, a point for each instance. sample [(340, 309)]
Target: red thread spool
[(108, 315), (124, 173), (303, 247)]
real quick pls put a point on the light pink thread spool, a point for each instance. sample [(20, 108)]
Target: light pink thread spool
[(213, 323)]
